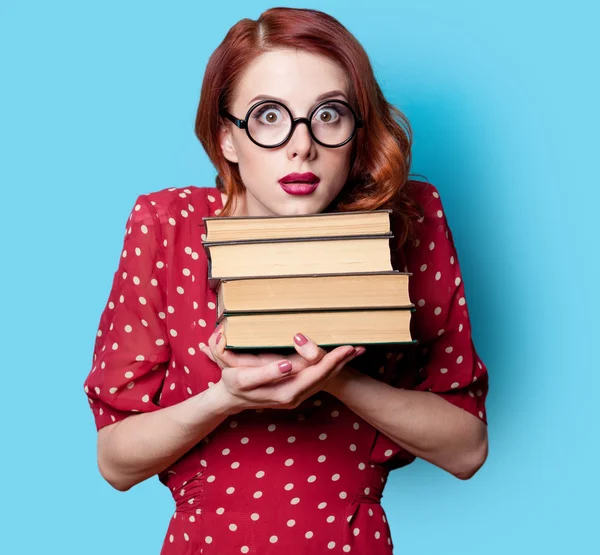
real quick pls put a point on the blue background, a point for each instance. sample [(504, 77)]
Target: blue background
[(98, 101)]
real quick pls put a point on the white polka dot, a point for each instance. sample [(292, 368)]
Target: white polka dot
[(346, 548), (423, 267), (186, 537), (295, 501), (322, 505), (270, 450), (443, 370), (257, 494), (388, 452), (233, 527), (186, 272), (260, 474), (361, 466), (254, 516), (208, 539), (271, 427), (356, 531), (311, 479), (431, 246), (160, 264), (172, 221), (192, 351), (128, 375), (273, 539), (437, 311), (145, 398), (377, 534), (454, 385), (244, 549), (308, 535), (230, 490), (291, 439), (291, 522), (180, 290), (352, 447), (173, 333), (438, 275), (323, 436), (459, 359), (289, 462), (343, 495), (160, 342), (335, 477), (288, 487), (331, 545), (142, 300), (330, 519), (440, 213), (322, 458)]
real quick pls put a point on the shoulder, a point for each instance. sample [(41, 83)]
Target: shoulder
[(428, 196), (174, 203)]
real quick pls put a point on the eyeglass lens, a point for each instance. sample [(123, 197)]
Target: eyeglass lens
[(332, 124)]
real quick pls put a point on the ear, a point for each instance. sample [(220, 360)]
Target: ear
[(225, 140)]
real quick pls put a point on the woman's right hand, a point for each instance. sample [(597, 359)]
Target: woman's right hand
[(275, 384)]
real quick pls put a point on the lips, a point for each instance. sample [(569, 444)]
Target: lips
[(308, 177)]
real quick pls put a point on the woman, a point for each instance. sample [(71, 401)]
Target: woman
[(264, 453)]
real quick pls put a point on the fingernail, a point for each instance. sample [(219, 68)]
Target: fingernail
[(300, 339), (219, 337), (359, 351), (285, 366)]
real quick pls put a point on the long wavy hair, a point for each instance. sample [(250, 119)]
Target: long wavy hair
[(381, 152)]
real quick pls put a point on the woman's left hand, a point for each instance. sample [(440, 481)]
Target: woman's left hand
[(307, 354)]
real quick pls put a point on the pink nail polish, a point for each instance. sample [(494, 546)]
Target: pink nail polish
[(285, 366), (300, 339), (219, 337)]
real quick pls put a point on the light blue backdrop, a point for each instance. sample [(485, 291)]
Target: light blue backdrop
[(97, 106)]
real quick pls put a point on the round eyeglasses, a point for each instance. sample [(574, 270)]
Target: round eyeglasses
[(270, 123)]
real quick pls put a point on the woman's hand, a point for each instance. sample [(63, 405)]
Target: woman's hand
[(255, 381)]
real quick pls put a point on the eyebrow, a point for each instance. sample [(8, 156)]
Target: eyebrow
[(320, 97)]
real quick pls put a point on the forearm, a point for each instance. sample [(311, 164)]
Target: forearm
[(145, 444), (419, 421)]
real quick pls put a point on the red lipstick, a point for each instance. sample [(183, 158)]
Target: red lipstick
[(299, 183)]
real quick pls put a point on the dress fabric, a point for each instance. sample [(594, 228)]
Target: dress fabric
[(270, 481)]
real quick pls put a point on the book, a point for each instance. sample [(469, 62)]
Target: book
[(314, 292), (327, 328), (324, 224), (307, 256)]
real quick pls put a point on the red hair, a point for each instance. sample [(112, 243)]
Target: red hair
[(381, 152)]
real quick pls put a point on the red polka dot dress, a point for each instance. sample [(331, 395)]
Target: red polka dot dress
[(303, 481)]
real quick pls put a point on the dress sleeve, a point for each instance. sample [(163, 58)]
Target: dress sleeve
[(452, 368), (131, 350)]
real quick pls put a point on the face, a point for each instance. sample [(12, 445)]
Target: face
[(297, 78)]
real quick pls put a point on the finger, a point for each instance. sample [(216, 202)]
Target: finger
[(331, 361), (308, 349), (251, 378)]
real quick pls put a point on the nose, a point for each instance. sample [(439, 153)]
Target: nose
[(300, 138)]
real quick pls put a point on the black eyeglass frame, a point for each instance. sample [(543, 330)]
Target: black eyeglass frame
[(243, 123)]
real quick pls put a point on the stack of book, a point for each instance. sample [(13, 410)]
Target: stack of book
[(327, 275)]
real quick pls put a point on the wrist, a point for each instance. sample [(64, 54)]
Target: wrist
[(222, 402)]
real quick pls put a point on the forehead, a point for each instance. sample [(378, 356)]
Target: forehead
[(295, 76)]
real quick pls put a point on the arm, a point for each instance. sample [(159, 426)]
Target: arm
[(420, 421), (142, 445)]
